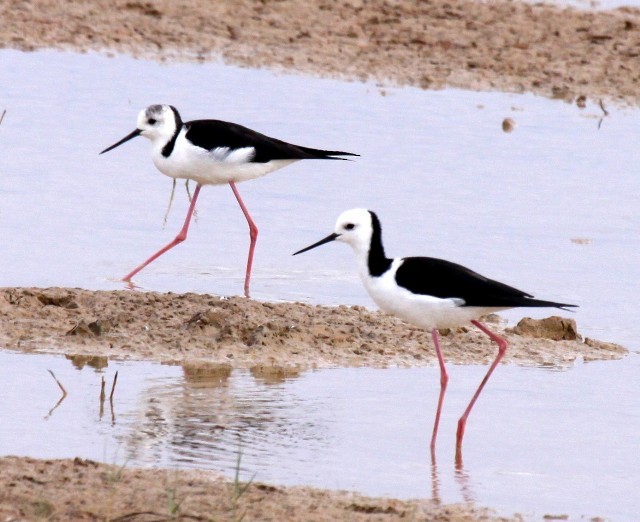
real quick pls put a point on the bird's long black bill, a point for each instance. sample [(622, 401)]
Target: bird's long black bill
[(123, 140), (329, 238)]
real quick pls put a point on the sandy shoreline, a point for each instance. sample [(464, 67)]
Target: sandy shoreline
[(243, 333), (33, 489)]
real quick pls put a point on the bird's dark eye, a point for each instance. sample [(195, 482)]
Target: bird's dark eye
[(152, 121), (349, 226)]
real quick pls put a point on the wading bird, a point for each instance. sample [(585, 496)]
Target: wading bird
[(428, 292), (213, 152)]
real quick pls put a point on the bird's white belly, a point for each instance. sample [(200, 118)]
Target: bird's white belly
[(189, 162), (420, 310)]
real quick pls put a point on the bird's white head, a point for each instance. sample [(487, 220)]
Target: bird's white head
[(354, 227), (158, 123)]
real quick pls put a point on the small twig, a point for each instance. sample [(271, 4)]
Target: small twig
[(605, 113), (2, 116), (54, 408), (131, 516), (113, 387), (102, 396), (64, 392)]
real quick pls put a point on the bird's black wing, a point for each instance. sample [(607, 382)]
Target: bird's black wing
[(211, 134), (444, 279)]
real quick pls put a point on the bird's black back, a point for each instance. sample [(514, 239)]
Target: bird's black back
[(211, 134), (444, 279)]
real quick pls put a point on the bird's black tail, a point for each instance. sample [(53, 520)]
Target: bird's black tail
[(325, 154), (539, 303)]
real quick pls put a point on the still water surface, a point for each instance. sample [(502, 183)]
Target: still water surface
[(539, 442)]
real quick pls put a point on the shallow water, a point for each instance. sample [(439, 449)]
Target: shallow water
[(539, 442), (550, 208)]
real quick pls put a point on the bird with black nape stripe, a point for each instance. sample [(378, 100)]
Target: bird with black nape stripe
[(213, 152), (428, 292)]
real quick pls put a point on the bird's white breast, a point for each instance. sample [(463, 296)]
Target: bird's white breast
[(421, 310), (215, 167)]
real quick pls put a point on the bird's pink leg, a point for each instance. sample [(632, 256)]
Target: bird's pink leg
[(253, 235), (502, 349), (182, 235), (444, 379)]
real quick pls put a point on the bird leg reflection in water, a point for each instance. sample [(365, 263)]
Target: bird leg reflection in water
[(463, 480), (435, 479), (461, 477)]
